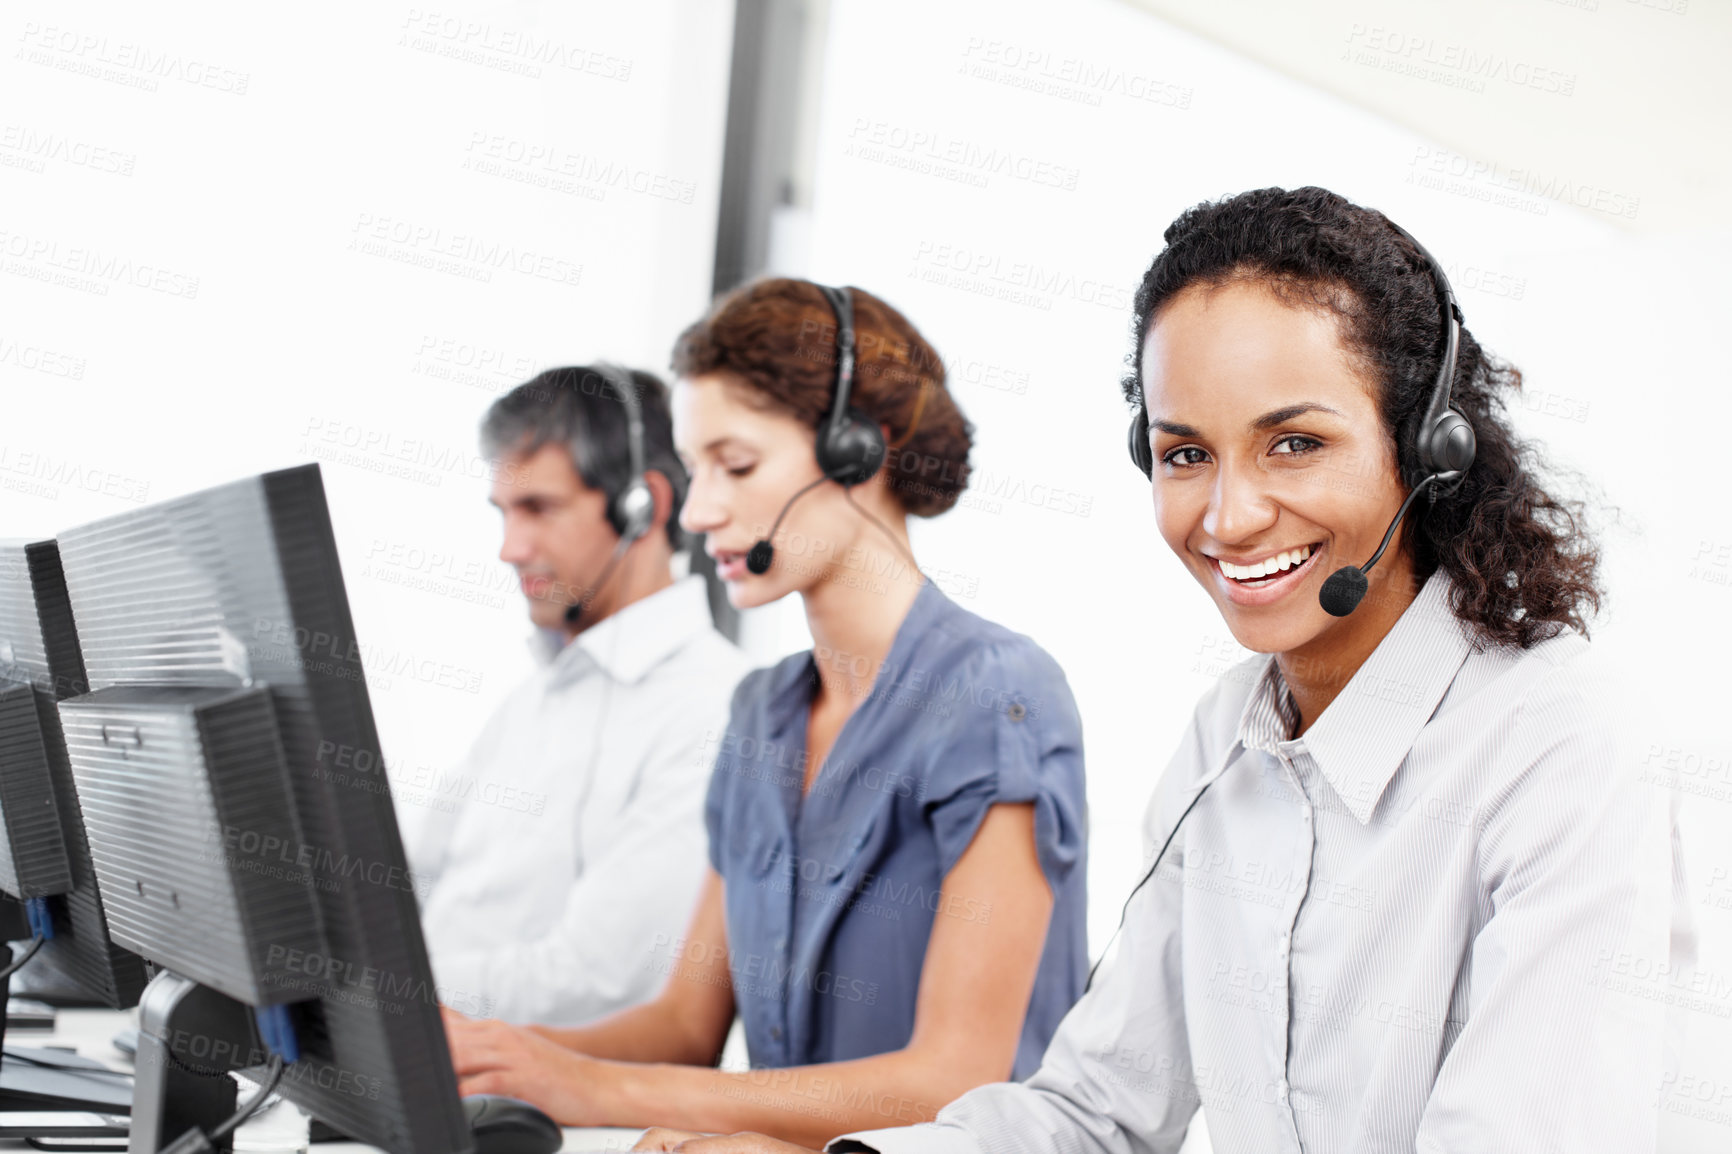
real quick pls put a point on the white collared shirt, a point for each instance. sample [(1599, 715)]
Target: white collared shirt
[(578, 849), (1409, 929)]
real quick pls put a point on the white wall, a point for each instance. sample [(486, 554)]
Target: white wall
[(1620, 340), (336, 232)]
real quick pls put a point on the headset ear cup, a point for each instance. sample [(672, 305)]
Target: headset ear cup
[(1447, 445), (631, 512), (852, 454), (1452, 443), (1141, 454)]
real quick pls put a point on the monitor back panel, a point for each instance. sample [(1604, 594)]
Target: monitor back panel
[(240, 586), (39, 647)]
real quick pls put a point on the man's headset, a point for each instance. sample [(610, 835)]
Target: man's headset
[(631, 510), (1444, 440), (1446, 448), (850, 446)]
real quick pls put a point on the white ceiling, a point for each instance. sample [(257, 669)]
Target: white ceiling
[(1645, 124)]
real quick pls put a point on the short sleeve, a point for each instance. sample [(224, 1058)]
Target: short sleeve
[(1015, 737)]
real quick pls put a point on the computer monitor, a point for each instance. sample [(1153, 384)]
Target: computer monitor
[(44, 851), (224, 671)]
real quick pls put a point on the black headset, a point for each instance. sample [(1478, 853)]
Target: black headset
[(632, 509), (1444, 441), (850, 446)]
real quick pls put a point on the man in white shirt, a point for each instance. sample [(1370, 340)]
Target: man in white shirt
[(550, 888)]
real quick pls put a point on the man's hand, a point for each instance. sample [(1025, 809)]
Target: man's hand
[(687, 1142), (495, 1058)]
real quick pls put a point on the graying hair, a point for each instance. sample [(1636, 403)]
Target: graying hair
[(578, 407)]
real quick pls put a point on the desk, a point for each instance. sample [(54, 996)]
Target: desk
[(91, 1034)]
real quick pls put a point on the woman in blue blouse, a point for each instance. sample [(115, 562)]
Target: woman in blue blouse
[(896, 816)]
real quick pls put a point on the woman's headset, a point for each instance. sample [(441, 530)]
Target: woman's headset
[(1444, 442), (850, 446)]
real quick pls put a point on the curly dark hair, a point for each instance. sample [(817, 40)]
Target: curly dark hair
[(777, 336), (1524, 564)]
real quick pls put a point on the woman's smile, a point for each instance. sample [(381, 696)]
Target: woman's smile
[(1269, 580)]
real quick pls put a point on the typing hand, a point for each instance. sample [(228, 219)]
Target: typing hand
[(686, 1142), (492, 1057)]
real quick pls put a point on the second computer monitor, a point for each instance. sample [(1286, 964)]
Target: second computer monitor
[(203, 621), (47, 849)]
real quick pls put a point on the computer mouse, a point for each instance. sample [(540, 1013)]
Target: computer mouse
[(508, 1126)]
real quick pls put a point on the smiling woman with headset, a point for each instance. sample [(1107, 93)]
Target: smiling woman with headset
[(1395, 856), (896, 817)]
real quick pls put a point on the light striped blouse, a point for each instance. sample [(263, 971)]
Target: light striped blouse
[(1440, 920)]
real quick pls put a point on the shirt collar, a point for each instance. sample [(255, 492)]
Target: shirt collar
[(629, 643), (1364, 735), (929, 605)]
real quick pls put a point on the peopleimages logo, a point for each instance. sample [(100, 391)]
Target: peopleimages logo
[(56, 474), (90, 269), (1073, 78), (891, 893), (1527, 189), (921, 148), (464, 253), (507, 49), (548, 165), (1455, 65), (1015, 282), (37, 359), (393, 988), (35, 149), (318, 652), (758, 974), (246, 848), (122, 61)]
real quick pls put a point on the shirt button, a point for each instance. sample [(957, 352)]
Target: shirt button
[(1281, 1089), (1305, 812), (776, 1033), (1282, 946)]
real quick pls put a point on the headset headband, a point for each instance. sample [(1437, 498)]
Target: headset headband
[(843, 306), (632, 507)]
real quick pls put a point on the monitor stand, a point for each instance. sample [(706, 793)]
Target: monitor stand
[(189, 1039)]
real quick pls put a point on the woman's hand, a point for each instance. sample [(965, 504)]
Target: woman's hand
[(495, 1058), (687, 1142)]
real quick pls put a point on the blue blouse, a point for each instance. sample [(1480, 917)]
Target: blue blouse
[(832, 896)]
